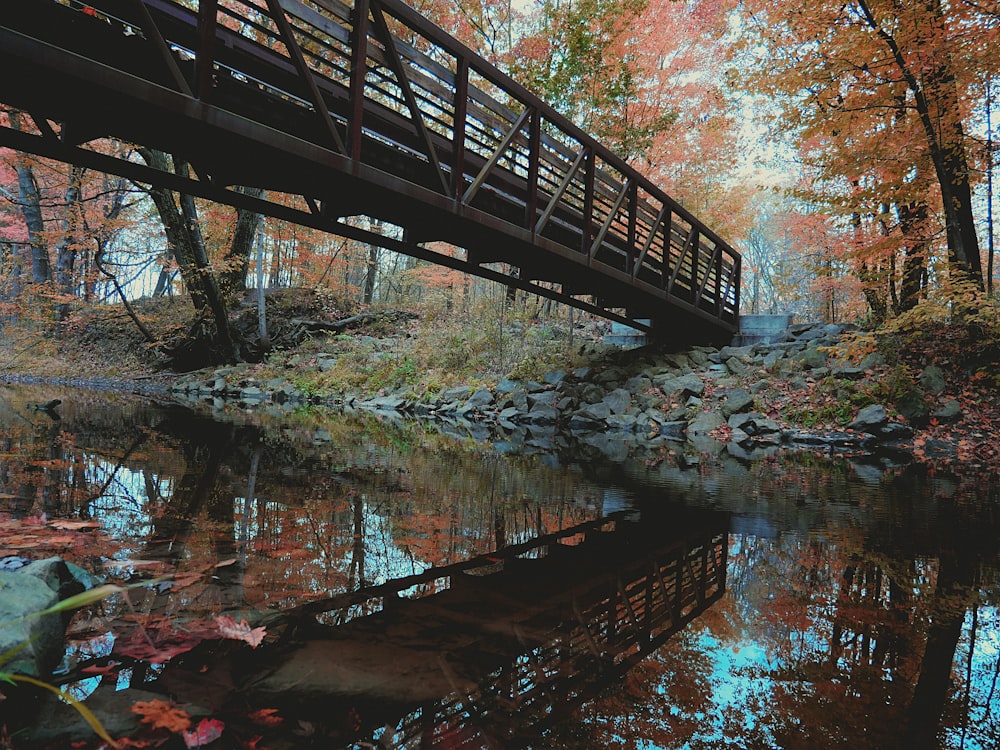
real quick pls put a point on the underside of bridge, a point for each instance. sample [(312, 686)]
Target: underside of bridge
[(458, 164)]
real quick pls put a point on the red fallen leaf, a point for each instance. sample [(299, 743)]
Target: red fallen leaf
[(253, 743), (239, 631), (108, 669), (208, 730), (265, 717), (162, 715)]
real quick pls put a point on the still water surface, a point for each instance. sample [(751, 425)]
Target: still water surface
[(529, 590)]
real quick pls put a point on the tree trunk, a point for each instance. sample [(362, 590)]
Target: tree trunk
[(936, 102), (185, 240), (69, 242), (233, 279), (31, 210), (371, 272)]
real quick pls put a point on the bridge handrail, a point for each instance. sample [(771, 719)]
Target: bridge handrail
[(379, 73)]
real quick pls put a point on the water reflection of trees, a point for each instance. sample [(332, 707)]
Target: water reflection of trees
[(858, 613)]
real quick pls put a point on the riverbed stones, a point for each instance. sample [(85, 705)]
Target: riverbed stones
[(737, 400)]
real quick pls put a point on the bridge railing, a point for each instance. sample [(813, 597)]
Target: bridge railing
[(378, 83)]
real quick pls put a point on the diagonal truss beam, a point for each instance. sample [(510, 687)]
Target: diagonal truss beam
[(396, 63), (319, 103)]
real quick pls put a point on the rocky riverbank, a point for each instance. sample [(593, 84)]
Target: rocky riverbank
[(798, 392)]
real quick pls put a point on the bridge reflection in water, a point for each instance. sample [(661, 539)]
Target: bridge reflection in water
[(512, 642)]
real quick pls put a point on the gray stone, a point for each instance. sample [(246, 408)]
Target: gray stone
[(478, 400), (872, 361), (811, 357), (507, 386), (739, 352), (555, 377), (737, 401), (704, 423), (594, 412), (771, 358), (460, 393), (949, 411), (893, 432), (932, 379), (686, 385), (592, 393), (31, 644), (913, 405), (542, 414), (736, 366), (848, 373), (638, 384), (618, 401), (870, 419), (519, 397)]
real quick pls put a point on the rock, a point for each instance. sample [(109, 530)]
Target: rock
[(541, 414), (55, 573), (594, 412), (592, 393), (704, 424), (481, 398), (737, 401), (65, 727), (872, 361), (638, 384), (932, 379), (686, 385), (913, 405), (848, 373), (829, 439), (554, 378), (736, 366), (460, 393), (618, 401), (772, 358), (519, 397), (811, 357), (31, 645), (894, 432), (949, 411), (870, 419), (507, 386)]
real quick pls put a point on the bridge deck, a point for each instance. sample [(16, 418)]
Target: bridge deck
[(365, 110)]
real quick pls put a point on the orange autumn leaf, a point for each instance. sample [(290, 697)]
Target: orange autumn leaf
[(162, 715)]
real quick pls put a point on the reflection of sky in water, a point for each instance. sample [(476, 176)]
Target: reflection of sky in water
[(795, 530)]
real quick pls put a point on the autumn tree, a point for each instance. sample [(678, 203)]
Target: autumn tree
[(877, 92)]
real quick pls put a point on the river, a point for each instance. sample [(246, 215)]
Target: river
[(418, 587)]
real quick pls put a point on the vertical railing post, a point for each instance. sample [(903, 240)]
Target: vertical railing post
[(737, 283), (534, 159), (359, 72), (205, 58), (719, 291), (633, 207), (461, 107), (587, 229)]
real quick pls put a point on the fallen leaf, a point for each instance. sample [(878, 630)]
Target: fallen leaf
[(208, 730), (162, 715), (239, 631)]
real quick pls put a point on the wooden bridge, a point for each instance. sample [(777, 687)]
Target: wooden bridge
[(348, 113)]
